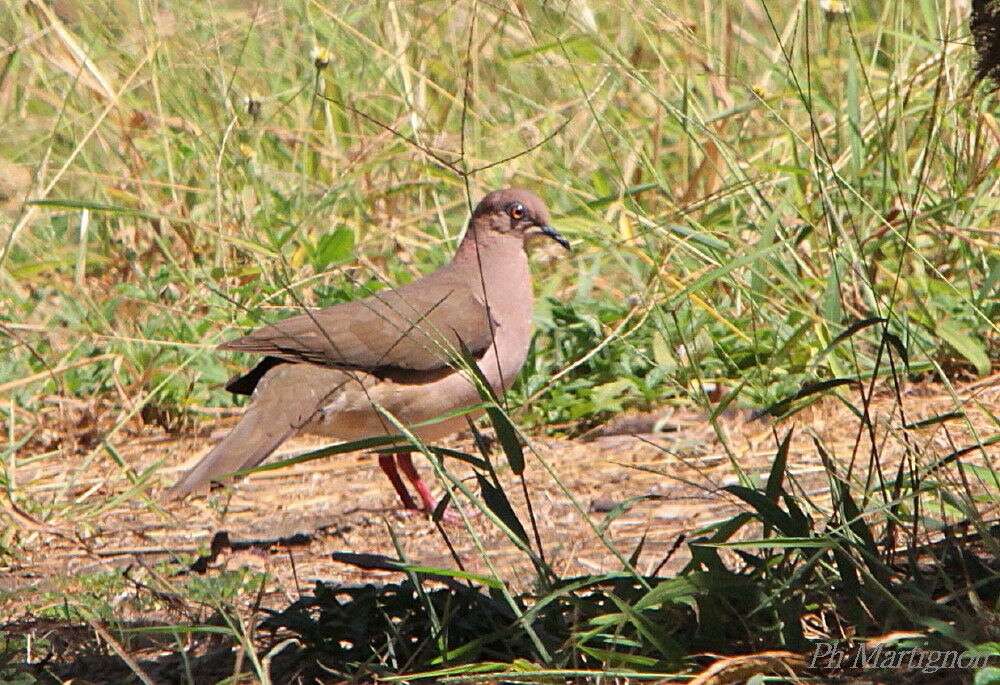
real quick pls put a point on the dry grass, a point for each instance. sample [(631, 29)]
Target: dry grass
[(282, 527)]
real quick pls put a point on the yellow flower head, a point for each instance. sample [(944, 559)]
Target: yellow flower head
[(320, 57)]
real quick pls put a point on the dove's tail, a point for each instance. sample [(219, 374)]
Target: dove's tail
[(283, 402)]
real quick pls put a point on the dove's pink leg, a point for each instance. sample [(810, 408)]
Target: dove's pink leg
[(388, 466), (406, 464)]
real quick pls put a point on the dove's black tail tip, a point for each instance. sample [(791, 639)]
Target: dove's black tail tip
[(247, 383)]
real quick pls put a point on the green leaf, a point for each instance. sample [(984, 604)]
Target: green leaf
[(807, 389), (934, 420), (718, 272), (966, 345), (775, 543), (673, 591), (768, 511), (987, 676), (470, 459), (506, 433), (332, 248), (777, 475), (849, 331), (661, 352), (609, 396), (339, 448), (383, 563), (496, 499), (654, 634)]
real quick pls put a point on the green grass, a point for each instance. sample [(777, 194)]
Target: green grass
[(743, 182)]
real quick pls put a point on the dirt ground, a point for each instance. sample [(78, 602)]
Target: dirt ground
[(293, 522), (289, 522)]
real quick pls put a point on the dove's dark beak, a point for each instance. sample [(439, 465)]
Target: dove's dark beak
[(552, 233)]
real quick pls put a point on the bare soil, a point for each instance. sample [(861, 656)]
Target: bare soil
[(289, 522)]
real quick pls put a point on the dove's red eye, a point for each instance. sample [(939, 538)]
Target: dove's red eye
[(515, 210)]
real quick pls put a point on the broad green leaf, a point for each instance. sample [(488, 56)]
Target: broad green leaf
[(966, 345)]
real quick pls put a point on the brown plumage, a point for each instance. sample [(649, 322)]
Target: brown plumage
[(328, 371)]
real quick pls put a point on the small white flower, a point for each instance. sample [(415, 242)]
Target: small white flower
[(320, 57), (169, 293), (253, 104)]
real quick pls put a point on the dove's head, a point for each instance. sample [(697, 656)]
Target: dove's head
[(514, 212)]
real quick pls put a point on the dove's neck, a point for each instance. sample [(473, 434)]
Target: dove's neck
[(497, 267)]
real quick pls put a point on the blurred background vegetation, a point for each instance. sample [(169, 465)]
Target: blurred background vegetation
[(742, 181)]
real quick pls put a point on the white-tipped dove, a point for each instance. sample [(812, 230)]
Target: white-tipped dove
[(326, 371)]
